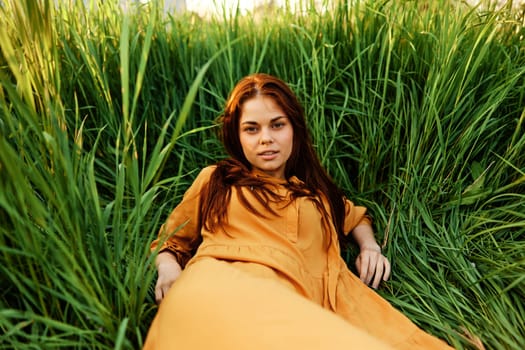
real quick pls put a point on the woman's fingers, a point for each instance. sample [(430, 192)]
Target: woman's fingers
[(388, 270), (377, 276), (372, 267), (159, 292)]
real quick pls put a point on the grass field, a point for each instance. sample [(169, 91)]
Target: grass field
[(417, 109)]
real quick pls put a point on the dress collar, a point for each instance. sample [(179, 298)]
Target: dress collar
[(275, 180)]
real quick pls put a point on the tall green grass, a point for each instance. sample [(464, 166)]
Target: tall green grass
[(417, 110)]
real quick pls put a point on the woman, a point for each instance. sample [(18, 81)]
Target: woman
[(254, 246)]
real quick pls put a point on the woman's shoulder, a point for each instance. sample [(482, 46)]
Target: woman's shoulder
[(207, 171), (204, 175)]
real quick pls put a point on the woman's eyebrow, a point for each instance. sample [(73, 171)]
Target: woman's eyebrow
[(251, 122), (277, 118)]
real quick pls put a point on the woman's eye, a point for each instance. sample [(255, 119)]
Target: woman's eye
[(250, 129), (278, 125)]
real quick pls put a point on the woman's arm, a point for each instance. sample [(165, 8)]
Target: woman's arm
[(179, 236), (372, 266)]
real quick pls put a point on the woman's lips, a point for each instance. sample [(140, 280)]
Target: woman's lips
[(268, 155)]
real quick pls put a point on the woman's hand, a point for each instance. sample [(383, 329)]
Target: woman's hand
[(372, 266), (168, 270)]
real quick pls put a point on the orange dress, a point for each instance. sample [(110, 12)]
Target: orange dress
[(271, 282)]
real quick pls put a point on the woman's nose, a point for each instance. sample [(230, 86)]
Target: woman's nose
[(266, 137)]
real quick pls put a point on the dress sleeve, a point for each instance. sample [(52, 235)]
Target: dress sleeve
[(181, 233), (354, 216)]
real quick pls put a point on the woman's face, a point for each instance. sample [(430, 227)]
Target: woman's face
[(266, 135)]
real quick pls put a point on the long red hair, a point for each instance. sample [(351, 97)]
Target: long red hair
[(303, 162)]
